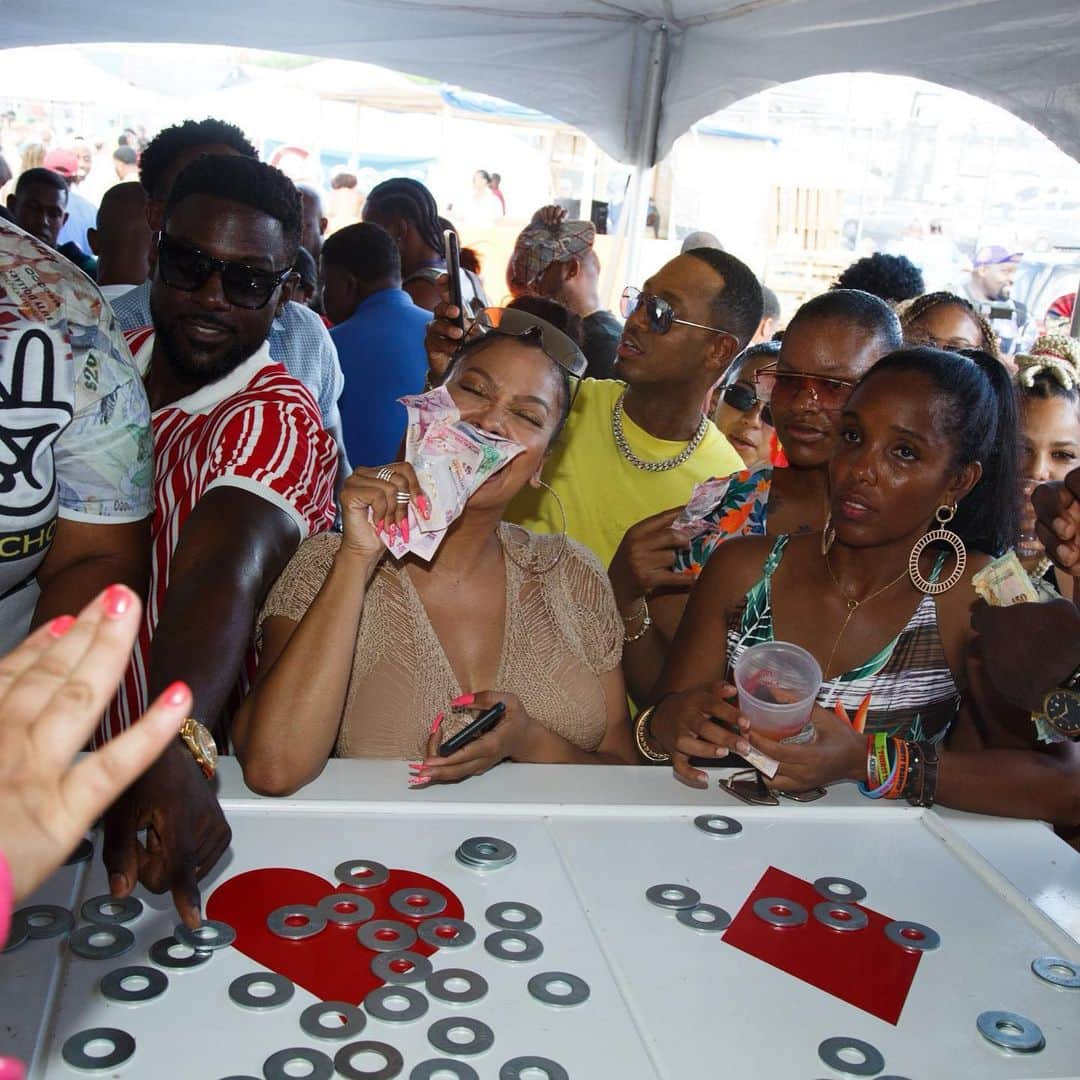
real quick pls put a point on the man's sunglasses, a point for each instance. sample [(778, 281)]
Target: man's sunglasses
[(659, 313), (830, 394), (187, 268), (511, 322), (744, 399)]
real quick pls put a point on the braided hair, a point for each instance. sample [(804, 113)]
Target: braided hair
[(1051, 369), (913, 310), (407, 198)]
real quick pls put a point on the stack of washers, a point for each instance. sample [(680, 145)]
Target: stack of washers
[(485, 853)]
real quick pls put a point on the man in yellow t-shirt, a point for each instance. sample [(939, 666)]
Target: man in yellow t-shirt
[(636, 445)]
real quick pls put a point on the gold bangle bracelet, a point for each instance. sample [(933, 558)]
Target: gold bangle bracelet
[(646, 621), (643, 738)]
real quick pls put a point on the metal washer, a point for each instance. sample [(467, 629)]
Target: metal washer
[(716, 918), (382, 967), (434, 903), (465, 935), (394, 1061), (485, 853), (437, 987), (796, 913), (322, 1067), (841, 889), (871, 1065), (439, 1036), (60, 920), (495, 944), (425, 1070), (112, 985), (539, 988), (74, 1049), (240, 990), (311, 1020), (363, 908), (928, 938), (277, 921), (515, 1068), (367, 935), (684, 897), (211, 935), (1028, 1040), (111, 909), (377, 874), (1044, 968), (375, 1004), (121, 939), (851, 918), (718, 825), (160, 954), (498, 914)]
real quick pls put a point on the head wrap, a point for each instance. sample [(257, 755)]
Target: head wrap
[(539, 246), (1055, 356)]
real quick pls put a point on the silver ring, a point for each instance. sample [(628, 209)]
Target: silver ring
[(446, 933), (111, 909), (718, 825), (705, 917), (240, 990), (515, 1068), (361, 908), (430, 902), (277, 922), (438, 986), (386, 935), (210, 935), (353, 1020), (376, 1004), (113, 989), (872, 1062), (118, 940), (322, 1067), (672, 897), (842, 890), (361, 873), (74, 1050), (913, 936), (161, 954), (1053, 969), (789, 913), (425, 1070), (1010, 1031), (497, 945), (53, 920), (400, 967), (540, 988), (499, 915), (402, 498), (386, 474), (343, 1061), (841, 916), (483, 1038)]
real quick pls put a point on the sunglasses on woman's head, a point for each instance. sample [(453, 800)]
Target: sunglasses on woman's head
[(659, 313), (773, 385), (512, 322), (743, 399), (188, 268)]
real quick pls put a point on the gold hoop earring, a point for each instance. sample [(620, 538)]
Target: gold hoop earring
[(529, 566), (828, 535), (943, 515)]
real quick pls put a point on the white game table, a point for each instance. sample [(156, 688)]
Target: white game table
[(666, 1000)]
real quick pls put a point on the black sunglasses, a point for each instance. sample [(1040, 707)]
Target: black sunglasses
[(188, 268), (744, 399), (659, 313)]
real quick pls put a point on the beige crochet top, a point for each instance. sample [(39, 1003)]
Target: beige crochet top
[(562, 631)]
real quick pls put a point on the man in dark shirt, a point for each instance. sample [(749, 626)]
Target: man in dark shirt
[(39, 207)]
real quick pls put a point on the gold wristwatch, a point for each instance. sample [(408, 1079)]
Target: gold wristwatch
[(200, 742), (1061, 710)]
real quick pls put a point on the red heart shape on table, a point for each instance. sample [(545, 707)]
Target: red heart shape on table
[(332, 964)]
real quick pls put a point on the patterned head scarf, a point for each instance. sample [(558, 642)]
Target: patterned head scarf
[(539, 246), (1055, 356)]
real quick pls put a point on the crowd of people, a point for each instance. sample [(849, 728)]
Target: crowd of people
[(203, 454)]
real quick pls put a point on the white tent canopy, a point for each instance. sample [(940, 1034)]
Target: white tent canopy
[(632, 74)]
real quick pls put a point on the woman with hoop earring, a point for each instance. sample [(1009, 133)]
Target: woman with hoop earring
[(923, 490), (362, 656)]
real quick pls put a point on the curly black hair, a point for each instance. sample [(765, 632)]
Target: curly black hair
[(891, 277), (244, 180), (162, 150)]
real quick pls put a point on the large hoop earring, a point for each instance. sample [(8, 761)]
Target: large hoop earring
[(828, 535), (943, 515), (529, 566)]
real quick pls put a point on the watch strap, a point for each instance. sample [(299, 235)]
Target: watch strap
[(1073, 681)]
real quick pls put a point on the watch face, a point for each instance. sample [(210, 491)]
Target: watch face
[(205, 743), (1062, 709)]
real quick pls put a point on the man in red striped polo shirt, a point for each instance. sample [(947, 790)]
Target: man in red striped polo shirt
[(243, 473)]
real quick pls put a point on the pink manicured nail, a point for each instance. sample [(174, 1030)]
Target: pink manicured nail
[(12, 1069), (419, 781), (116, 600), (379, 525), (59, 627), (423, 506), (405, 529), (435, 724), (392, 532), (465, 699), (176, 693)]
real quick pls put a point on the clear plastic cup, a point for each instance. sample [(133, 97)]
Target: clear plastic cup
[(777, 684)]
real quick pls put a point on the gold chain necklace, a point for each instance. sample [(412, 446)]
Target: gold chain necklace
[(652, 466), (853, 605)]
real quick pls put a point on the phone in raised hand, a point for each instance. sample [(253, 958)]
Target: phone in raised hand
[(453, 272)]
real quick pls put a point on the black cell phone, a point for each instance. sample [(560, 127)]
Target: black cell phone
[(453, 272), (480, 726)]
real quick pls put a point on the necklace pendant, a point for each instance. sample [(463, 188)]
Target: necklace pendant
[(852, 605)]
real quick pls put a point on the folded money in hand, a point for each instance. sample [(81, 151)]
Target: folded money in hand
[(705, 497), (1004, 582)]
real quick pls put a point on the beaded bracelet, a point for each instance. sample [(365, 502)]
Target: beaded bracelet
[(642, 613)]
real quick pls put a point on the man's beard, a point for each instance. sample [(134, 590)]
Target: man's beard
[(187, 368)]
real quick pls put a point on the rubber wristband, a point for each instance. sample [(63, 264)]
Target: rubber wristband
[(7, 897)]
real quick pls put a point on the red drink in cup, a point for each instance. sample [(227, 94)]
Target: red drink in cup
[(777, 684)]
